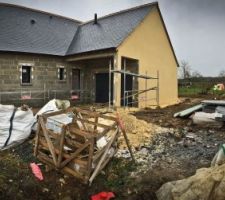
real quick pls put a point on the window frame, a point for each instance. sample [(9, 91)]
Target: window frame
[(22, 65), (64, 73)]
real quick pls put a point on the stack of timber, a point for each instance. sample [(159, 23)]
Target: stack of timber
[(81, 146)]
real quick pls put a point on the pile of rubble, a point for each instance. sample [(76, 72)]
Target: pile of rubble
[(153, 144)]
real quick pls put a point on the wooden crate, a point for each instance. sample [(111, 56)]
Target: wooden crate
[(75, 150)]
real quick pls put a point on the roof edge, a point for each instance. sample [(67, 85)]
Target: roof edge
[(122, 11), (40, 11), (31, 53), (91, 52), (168, 36)]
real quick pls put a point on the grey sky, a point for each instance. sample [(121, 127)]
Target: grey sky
[(196, 27)]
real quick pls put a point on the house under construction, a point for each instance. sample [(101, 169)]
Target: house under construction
[(122, 59)]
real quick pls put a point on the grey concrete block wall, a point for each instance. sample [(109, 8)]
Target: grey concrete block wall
[(44, 73), (45, 84)]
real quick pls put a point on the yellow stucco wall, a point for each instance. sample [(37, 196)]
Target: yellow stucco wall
[(149, 44)]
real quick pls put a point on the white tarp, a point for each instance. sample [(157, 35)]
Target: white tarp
[(15, 125)]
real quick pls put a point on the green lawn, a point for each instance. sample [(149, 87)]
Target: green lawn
[(196, 91), (191, 91)]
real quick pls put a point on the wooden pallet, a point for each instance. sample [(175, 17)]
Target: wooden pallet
[(74, 150)]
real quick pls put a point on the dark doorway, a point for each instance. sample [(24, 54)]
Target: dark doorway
[(76, 94), (75, 79), (129, 87), (102, 88)]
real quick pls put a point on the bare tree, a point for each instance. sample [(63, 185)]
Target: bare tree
[(196, 74), (185, 69), (222, 73)]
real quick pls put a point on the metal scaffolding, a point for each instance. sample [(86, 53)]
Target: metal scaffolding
[(134, 93), (20, 96)]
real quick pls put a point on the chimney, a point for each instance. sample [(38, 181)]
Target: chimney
[(96, 19)]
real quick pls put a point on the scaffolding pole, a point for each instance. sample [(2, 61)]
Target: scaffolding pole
[(146, 86), (133, 74), (124, 83), (110, 66), (157, 95)]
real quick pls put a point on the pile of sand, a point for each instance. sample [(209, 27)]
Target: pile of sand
[(138, 131)]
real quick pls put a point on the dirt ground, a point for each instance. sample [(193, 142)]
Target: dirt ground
[(161, 149)]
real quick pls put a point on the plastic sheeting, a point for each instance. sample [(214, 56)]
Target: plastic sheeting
[(15, 125)]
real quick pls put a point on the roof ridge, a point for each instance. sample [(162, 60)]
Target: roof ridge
[(122, 11), (74, 38), (39, 11)]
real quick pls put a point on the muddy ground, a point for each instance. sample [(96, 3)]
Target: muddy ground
[(165, 156)]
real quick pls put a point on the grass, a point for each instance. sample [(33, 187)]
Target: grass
[(191, 91)]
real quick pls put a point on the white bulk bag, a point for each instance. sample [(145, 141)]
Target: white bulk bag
[(15, 125), (52, 106)]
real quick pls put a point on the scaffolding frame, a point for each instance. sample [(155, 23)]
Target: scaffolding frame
[(126, 95), (27, 95)]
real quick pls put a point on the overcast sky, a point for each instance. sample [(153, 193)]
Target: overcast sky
[(196, 27)]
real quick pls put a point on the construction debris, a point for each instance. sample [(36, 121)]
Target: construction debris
[(165, 149), (103, 196), (189, 111), (66, 140), (206, 119), (212, 113), (36, 171), (15, 125), (214, 102)]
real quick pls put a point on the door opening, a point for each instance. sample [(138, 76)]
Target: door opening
[(102, 88), (75, 84), (129, 87)]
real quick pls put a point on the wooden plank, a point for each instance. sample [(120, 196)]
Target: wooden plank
[(37, 140), (98, 167), (61, 146), (99, 135), (64, 155), (72, 143), (98, 154), (42, 157), (128, 144), (52, 134), (80, 117), (121, 126), (75, 154), (50, 145), (46, 115), (94, 114), (90, 158), (73, 173), (74, 130), (95, 126), (93, 123)]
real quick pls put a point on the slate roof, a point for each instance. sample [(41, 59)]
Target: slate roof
[(109, 32), (49, 34), (27, 30)]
